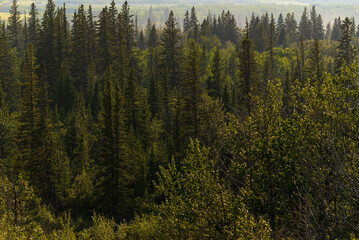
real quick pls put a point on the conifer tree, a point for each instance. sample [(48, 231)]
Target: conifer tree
[(315, 63), (247, 69), (316, 25), (191, 93), (206, 27), (34, 26), (154, 96), (128, 28), (25, 32), (153, 38), (62, 42), (170, 43), (91, 35), (290, 27), (270, 60), (136, 27), (29, 110), (109, 187), (131, 92), (79, 138), (14, 26), (105, 41), (304, 25), (141, 41), (80, 51), (193, 21), (320, 27), (186, 21), (230, 28), (346, 51), (113, 15), (216, 79), (280, 31)]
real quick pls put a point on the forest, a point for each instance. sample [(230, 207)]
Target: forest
[(191, 130)]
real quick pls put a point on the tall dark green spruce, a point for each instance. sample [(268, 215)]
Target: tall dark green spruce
[(14, 24), (247, 74), (109, 189), (215, 82), (315, 62), (29, 116), (171, 47), (304, 25), (346, 51), (80, 51), (34, 26), (105, 41), (192, 90)]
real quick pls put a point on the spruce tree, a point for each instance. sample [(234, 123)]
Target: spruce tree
[(91, 35), (153, 38), (270, 49), (113, 15), (131, 103), (216, 79), (170, 44), (290, 28), (141, 41), (109, 187), (105, 41), (80, 51), (247, 73), (315, 63), (193, 21), (304, 25), (29, 116), (14, 24), (320, 27), (128, 28), (280, 31), (316, 25), (192, 90), (186, 21), (34, 26), (25, 33), (346, 51)]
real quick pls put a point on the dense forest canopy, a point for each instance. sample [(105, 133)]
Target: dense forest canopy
[(198, 129)]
